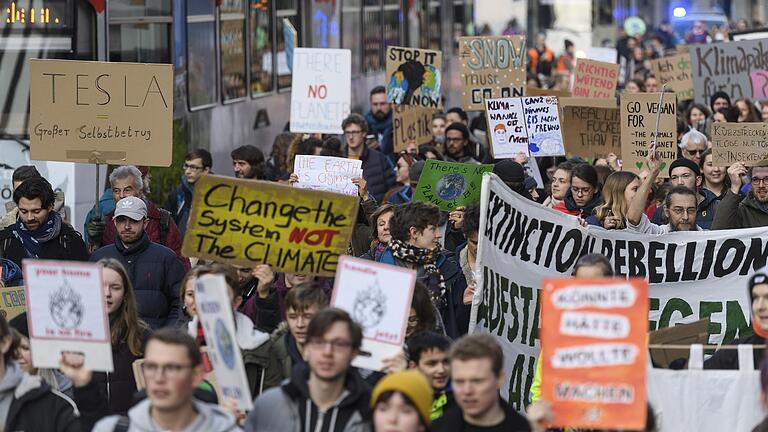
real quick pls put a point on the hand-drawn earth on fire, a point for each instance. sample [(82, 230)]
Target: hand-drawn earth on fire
[(66, 307), (370, 306)]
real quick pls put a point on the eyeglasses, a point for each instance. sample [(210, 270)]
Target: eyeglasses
[(680, 210), (760, 180), (170, 370), (695, 152), (353, 133), (454, 140), (336, 344), (581, 191), (192, 167)]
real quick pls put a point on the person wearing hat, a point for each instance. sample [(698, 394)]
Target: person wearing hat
[(402, 402), (457, 145), (757, 288), (155, 271), (513, 175), (685, 172), (749, 210)]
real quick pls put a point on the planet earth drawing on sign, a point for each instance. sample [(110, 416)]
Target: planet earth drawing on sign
[(450, 186), (225, 344), (66, 307)]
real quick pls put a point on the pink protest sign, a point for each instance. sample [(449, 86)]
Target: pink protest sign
[(759, 80)]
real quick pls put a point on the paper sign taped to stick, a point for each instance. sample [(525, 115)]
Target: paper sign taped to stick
[(67, 313), (326, 173), (759, 80), (594, 79), (12, 302), (249, 222), (215, 314), (411, 124), (594, 352), (726, 66), (739, 142), (321, 93), (638, 127), (591, 132), (124, 111), (378, 297), (675, 72), (530, 125), (413, 76), (491, 67), (449, 185)]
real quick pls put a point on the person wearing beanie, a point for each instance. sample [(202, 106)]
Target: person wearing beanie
[(402, 402), (513, 175), (457, 145), (757, 287), (719, 100), (685, 172)]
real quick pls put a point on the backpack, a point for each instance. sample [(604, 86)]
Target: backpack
[(123, 424)]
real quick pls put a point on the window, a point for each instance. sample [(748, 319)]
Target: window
[(285, 9), (434, 20), (261, 47), (462, 21), (232, 46), (140, 31), (391, 23), (201, 49), (372, 50), (350, 35)]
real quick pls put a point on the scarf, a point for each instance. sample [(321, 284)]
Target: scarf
[(32, 241), (428, 259)]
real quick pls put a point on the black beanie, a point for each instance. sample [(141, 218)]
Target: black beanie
[(719, 95), (756, 279), (509, 171), (459, 127), (19, 323), (683, 162)]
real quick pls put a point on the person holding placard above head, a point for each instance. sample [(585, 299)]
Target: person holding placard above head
[(619, 190), (401, 402), (750, 210), (173, 369), (324, 394), (584, 194), (39, 232), (376, 168), (155, 271), (248, 163)]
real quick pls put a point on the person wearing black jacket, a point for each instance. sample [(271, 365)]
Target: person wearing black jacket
[(377, 170), (155, 271)]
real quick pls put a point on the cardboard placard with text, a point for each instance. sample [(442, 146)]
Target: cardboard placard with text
[(411, 124), (123, 111), (739, 142), (594, 79), (321, 93), (759, 81), (675, 71), (726, 66), (449, 185), (12, 302), (249, 222), (591, 132), (414, 76), (594, 353), (491, 67), (638, 127)]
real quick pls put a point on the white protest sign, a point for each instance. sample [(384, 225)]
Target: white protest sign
[(321, 90), (529, 124), (378, 297), (692, 275), (607, 55), (66, 312), (215, 312), (332, 174), (542, 120)]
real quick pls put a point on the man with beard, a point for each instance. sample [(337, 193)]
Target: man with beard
[(750, 211), (457, 145), (685, 172), (379, 120), (248, 162)]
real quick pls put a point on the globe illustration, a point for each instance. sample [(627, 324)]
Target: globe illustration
[(225, 344), (450, 186)]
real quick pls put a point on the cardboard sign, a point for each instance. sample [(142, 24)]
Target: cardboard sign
[(217, 319), (681, 334), (12, 302), (413, 76), (321, 92), (675, 71), (248, 222), (591, 132), (449, 185), (533, 91), (726, 66), (123, 111), (411, 124), (325, 173), (491, 67), (759, 81), (67, 313), (594, 79), (739, 142), (638, 127), (529, 124), (378, 297), (594, 353)]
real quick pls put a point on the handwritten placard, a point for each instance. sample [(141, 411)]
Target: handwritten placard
[(12, 302), (332, 174), (638, 128), (542, 120), (321, 90), (759, 81), (675, 71), (413, 76), (124, 111), (594, 79), (449, 185), (248, 222), (591, 132), (594, 352), (739, 142), (528, 124), (411, 124), (726, 66), (491, 67)]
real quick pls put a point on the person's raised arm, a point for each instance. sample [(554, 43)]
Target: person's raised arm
[(637, 205)]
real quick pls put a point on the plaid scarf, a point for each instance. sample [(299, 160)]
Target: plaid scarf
[(32, 241), (428, 259)]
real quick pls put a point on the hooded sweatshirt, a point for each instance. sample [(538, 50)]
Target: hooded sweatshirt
[(209, 418), (11, 379)]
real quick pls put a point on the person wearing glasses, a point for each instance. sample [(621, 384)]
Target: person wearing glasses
[(751, 210), (378, 172), (584, 194), (685, 172), (457, 145), (692, 145), (325, 393), (196, 164)]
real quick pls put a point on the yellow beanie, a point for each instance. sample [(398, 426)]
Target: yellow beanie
[(413, 384)]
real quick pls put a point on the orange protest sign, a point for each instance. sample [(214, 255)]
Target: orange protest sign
[(594, 350)]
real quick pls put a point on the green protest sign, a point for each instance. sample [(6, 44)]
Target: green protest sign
[(449, 184)]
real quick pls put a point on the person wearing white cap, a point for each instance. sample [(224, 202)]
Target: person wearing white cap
[(154, 270)]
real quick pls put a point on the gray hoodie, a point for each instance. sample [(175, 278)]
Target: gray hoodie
[(210, 418), (11, 379)]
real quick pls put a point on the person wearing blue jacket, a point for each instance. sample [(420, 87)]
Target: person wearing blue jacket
[(379, 120)]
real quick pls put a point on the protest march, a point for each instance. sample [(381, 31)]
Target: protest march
[(398, 216)]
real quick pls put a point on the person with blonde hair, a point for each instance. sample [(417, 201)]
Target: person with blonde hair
[(620, 187)]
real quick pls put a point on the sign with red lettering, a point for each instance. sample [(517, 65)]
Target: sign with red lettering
[(66, 312), (378, 297), (594, 79), (321, 90)]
